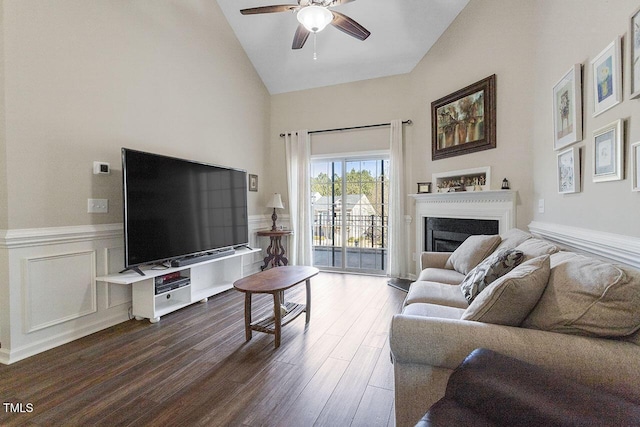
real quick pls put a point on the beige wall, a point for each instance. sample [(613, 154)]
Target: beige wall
[(3, 159), (529, 45), (360, 103), (575, 32), (84, 78), (486, 38)]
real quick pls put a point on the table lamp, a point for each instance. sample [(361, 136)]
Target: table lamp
[(275, 202)]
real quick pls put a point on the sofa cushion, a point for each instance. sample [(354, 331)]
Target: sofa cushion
[(435, 293), (533, 248), (433, 310), (471, 252), (441, 275), (587, 296), (512, 238), (509, 299), (495, 266)]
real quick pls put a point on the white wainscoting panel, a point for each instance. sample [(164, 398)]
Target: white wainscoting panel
[(59, 288), (51, 296), (614, 247)]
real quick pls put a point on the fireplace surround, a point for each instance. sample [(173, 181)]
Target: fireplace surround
[(495, 205)]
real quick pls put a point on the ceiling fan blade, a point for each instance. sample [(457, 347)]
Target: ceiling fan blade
[(339, 2), (349, 26), (300, 37), (270, 9)]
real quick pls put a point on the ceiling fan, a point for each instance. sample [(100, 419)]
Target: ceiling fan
[(314, 16)]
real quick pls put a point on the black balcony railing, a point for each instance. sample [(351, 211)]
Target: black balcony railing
[(365, 231)]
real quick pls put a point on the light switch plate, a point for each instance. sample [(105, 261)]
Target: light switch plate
[(541, 206), (97, 205)]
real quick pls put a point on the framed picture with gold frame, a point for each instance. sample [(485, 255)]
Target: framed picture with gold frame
[(464, 121)]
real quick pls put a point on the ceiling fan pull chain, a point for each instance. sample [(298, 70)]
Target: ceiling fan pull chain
[(315, 56)]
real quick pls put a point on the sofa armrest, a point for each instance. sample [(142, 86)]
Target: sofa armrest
[(507, 391), (434, 259), (607, 364)]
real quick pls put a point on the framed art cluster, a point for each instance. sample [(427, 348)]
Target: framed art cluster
[(608, 142)]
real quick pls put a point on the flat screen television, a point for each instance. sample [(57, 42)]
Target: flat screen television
[(176, 208)]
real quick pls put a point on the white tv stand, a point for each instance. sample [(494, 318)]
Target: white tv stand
[(207, 278)]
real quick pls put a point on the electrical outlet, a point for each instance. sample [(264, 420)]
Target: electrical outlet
[(541, 206), (97, 205)]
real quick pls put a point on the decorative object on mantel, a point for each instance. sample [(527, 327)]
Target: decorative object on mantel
[(567, 108), (608, 153), (505, 184), (607, 77), (424, 187), (253, 182), (635, 166), (464, 121), (275, 203), (476, 179)]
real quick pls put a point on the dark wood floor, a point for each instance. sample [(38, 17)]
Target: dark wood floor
[(194, 367)]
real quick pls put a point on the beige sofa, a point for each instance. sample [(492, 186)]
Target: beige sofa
[(571, 314)]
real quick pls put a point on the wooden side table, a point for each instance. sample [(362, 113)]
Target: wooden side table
[(275, 251)]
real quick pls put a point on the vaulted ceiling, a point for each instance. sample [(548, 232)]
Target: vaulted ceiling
[(402, 32)]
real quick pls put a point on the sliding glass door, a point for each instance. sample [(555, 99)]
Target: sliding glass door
[(350, 212)]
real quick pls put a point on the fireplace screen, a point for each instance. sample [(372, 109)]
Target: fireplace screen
[(446, 234)]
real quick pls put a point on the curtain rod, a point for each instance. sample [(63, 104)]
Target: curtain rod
[(406, 122)]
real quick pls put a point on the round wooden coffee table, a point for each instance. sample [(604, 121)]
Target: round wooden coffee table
[(275, 281)]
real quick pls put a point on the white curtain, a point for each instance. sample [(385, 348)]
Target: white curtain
[(298, 152), (398, 252)]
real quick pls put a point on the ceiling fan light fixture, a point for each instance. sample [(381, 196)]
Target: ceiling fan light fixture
[(315, 18)]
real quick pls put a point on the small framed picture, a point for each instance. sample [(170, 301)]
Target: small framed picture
[(424, 187), (253, 182), (607, 78), (635, 166), (569, 171), (567, 108), (634, 49), (608, 153)]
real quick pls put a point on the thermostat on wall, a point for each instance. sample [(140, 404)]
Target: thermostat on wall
[(101, 168)]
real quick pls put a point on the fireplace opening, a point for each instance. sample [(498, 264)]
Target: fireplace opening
[(446, 234)]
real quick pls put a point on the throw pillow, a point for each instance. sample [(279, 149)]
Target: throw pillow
[(492, 268), (586, 296), (512, 238), (509, 299), (534, 247), (471, 252)]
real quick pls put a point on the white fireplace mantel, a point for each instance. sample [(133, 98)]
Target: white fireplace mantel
[(497, 205)]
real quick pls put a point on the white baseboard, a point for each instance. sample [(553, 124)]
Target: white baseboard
[(614, 247), (8, 356)]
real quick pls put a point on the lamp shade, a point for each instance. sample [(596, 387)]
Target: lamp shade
[(275, 202), (314, 18)]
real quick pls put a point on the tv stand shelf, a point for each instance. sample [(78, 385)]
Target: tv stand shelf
[(207, 278)]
